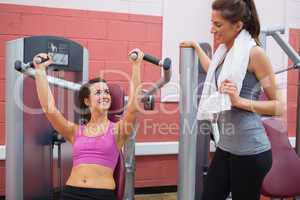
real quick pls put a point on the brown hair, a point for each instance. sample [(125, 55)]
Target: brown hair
[(240, 10), (84, 92)]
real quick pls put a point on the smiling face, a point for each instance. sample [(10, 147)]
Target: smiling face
[(100, 98), (224, 31)]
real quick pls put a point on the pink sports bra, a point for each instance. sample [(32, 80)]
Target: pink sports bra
[(101, 149)]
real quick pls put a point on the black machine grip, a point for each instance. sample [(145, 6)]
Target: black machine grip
[(166, 63), (20, 66), (151, 59)]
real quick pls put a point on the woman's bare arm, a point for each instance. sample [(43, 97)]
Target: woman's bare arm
[(126, 125), (46, 99)]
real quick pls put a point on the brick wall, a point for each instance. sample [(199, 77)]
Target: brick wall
[(292, 92)]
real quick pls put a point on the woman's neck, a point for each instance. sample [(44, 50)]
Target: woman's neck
[(98, 118), (229, 44)]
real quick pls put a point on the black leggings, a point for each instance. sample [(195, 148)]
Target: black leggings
[(240, 175), (79, 193)]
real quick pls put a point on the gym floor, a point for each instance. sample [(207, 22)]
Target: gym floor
[(163, 196), (171, 196)]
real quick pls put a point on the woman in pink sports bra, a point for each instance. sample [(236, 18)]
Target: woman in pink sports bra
[(96, 142)]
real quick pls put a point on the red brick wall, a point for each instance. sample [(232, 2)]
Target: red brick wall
[(165, 168), (2, 178), (108, 37), (292, 92)]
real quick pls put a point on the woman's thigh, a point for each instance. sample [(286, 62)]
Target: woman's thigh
[(247, 174)]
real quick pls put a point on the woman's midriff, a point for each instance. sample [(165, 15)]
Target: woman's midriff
[(92, 176)]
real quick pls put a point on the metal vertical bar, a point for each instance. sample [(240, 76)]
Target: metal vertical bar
[(203, 137), (60, 105), (298, 118), (129, 156), (188, 124), (14, 122)]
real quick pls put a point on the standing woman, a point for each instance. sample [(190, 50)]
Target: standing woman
[(97, 142), (243, 156)]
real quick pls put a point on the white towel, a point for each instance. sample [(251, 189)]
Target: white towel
[(234, 68)]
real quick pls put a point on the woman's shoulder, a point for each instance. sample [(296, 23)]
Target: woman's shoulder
[(257, 51), (78, 128), (258, 58)]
